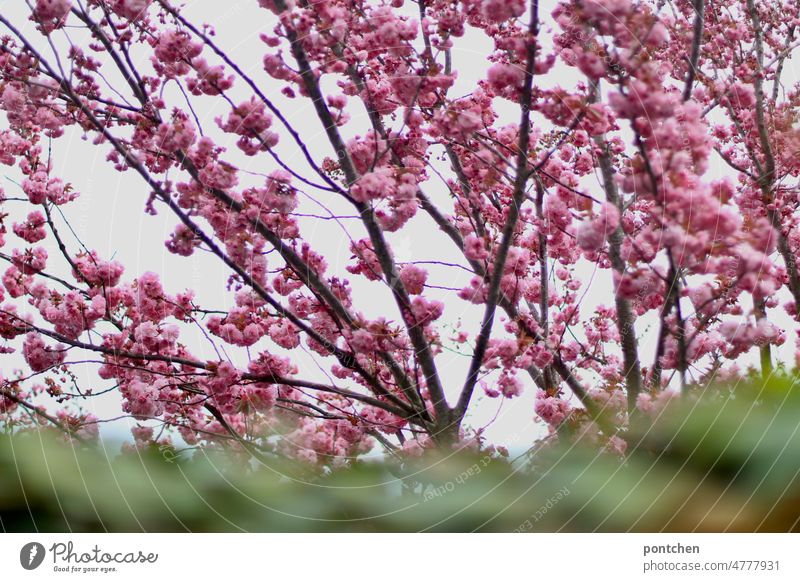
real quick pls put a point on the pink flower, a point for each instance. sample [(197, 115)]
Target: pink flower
[(259, 396), (367, 262), (250, 120), (142, 399), (489, 391), (31, 260), (741, 96), (182, 241), (278, 196), (210, 80), (52, 13), (372, 186), (606, 11), (551, 409), (142, 434), (658, 35), (476, 292), (413, 448), (13, 101), (500, 10), (7, 405), (32, 229), (592, 234), (285, 334), (616, 445), (218, 175), (413, 278), (39, 355), (130, 9), (96, 271), (174, 51), (15, 282), (510, 386), (504, 77), (175, 135), (426, 311), (363, 341), (474, 248)]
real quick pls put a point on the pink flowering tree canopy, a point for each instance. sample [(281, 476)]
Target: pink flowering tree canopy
[(608, 196)]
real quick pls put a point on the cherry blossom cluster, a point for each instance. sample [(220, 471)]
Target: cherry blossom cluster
[(575, 184)]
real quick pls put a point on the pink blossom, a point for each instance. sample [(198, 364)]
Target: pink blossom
[(16, 282), (489, 391), (591, 65), (31, 260), (32, 229), (40, 188), (210, 80), (592, 234), (52, 13), (315, 352), (96, 271), (474, 248), (130, 9), (426, 311), (182, 241), (500, 10), (142, 399), (617, 445), (285, 334), (741, 96), (413, 278), (39, 355), (175, 135), (219, 176), (372, 186), (510, 386), (502, 77), (250, 120), (173, 52), (551, 409), (362, 341)]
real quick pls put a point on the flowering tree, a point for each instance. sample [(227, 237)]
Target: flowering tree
[(582, 150)]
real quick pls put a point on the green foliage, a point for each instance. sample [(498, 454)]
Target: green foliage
[(726, 460)]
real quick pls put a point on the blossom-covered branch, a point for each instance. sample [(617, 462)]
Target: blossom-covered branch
[(571, 241)]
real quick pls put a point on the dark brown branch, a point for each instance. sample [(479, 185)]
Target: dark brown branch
[(36, 410), (697, 41), (512, 217), (380, 247), (626, 319)]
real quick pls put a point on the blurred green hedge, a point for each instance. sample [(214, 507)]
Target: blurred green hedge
[(726, 460)]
